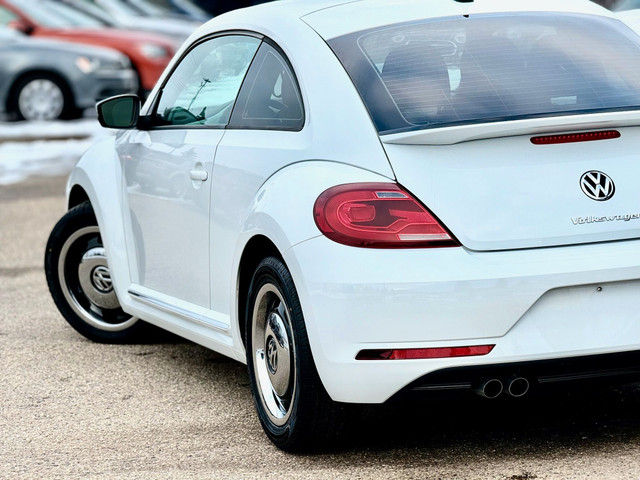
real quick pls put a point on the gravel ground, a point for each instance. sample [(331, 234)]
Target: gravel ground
[(73, 409)]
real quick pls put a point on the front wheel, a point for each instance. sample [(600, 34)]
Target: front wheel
[(80, 281), (294, 409), (43, 97)]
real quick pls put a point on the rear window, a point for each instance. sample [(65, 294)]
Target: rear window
[(490, 68)]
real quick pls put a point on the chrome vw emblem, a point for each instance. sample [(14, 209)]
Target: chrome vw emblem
[(597, 185), (101, 278), (272, 355)]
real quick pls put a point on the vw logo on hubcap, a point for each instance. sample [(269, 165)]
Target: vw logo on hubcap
[(597, 185), (272, 355), (101, 279)]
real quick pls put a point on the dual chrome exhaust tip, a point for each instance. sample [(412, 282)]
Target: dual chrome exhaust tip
[(493, 387)]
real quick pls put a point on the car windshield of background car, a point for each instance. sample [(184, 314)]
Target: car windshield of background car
[(44, 14), (76, 17)]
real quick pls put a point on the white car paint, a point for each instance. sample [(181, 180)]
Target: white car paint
[(532, 303)]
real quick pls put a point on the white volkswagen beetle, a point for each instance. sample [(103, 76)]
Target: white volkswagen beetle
[(362, 199)]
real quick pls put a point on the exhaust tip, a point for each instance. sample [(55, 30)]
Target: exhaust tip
[(491, 388), (518, 387)]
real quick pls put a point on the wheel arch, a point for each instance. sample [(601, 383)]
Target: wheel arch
[(77, 195), (257, 248), (97, 178)]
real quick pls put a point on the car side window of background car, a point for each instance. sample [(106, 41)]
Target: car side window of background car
[(204, 86), (6, 16), (270, 97)]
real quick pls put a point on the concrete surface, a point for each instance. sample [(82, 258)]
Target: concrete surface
[(72, 409)]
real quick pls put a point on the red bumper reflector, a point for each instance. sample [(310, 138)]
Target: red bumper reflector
[(575, 137), (417, 353)]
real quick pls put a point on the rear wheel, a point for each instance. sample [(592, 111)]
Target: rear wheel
[(293, 407), (80, 281)]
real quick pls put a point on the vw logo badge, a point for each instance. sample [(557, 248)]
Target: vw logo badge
[(597, 185), (102, 279)]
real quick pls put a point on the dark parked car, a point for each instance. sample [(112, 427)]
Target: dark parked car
[(149, 53), (45, 79)]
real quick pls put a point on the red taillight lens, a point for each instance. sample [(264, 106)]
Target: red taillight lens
[(377, 215), (418, 353)]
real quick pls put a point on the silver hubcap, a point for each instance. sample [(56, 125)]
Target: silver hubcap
[(274, 354), (86, 282), (41, 99), (95, 279)]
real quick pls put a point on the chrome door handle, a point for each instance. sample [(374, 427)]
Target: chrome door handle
[(199, 175)]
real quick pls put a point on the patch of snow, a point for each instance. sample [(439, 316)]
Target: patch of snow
[(24, 153)]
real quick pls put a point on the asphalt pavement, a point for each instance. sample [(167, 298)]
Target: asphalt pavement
[(72, 409)]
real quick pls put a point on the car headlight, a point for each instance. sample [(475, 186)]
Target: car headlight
[(87, 65), (151, 50)]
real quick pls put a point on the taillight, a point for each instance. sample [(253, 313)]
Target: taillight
[(377, 215)]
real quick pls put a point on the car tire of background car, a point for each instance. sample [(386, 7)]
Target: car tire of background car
[(80, 282), (294, 409), (42, 96)]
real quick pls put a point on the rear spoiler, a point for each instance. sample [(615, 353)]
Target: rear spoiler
[(530, 126)]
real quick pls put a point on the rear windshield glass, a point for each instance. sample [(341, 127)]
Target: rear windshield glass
[(491, 68)]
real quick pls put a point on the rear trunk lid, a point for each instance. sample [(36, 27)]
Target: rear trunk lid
[(498, 192), (457, 99)]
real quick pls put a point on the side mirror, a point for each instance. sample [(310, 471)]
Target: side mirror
[(122, 111), (20, 26)]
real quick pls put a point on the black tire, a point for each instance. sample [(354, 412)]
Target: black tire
[(62, 105), (80, 282), (294, 409)]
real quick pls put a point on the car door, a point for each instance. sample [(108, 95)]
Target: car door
[(167, 174), (264, 135)]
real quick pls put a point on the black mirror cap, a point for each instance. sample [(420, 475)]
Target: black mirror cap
[(122, 111)]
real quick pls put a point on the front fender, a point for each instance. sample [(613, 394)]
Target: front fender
[(99, 174)]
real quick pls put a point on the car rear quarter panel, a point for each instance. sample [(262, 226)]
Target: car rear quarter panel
[(276, 176), (282, 211)]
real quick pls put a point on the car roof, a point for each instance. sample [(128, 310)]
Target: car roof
[(365, 14), (333, 18)]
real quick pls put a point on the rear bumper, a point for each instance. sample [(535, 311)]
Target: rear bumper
[(614, 367), (533, 305)]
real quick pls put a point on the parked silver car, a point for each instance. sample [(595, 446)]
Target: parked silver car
[(46, 79)]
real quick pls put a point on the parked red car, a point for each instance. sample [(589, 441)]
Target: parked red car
[(149, 53)]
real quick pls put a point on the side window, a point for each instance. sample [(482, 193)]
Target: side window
[(270, 98), (204, 86), (6, 16)]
